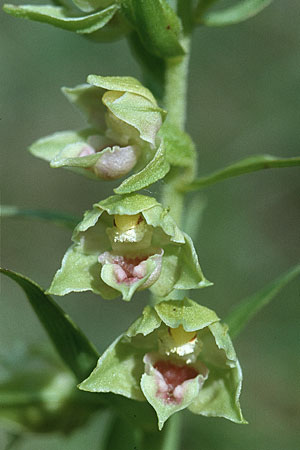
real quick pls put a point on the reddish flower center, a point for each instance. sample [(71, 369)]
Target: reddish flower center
[(174, 376), (129, 270)]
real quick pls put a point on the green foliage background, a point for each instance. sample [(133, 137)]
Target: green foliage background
[(244, 99)]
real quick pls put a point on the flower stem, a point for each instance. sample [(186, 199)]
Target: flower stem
[(176, 86)]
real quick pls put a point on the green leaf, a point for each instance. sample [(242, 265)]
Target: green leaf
[(180, 149), (249, 307), (71, 344), (155, 170), (157, 25), (240, 12), (61, 17), (58, 218), (252, 164)]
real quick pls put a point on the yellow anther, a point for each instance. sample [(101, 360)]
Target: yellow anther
[(125, 222), (180, 336)]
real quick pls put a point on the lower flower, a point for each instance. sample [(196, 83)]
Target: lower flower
[(176, 356)]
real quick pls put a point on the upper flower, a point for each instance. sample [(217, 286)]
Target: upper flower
[(125, 119), (128, 243), (176, 355)]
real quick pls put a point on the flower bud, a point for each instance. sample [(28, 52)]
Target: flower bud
[(125, 119)]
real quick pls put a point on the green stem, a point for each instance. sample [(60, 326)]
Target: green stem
[(175, 100), (176, 87)]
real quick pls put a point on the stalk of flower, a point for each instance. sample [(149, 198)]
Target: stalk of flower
[(125, 120), (125, 244), (176, 355)]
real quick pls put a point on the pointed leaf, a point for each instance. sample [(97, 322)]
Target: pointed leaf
[(60, 17), (71, 344), (247, 165), (155, 170), (240, 12), (249, 307), (58, 218)]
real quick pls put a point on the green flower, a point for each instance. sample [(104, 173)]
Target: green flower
[(125, 244), (125, 120), (176, 355)]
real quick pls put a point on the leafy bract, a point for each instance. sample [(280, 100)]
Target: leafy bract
[(250, 306), (56, 217), (72, 345), (252, 164), (239, 12), (157, 25), (63, 18)]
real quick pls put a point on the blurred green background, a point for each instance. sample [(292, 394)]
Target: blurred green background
[(244, 99)]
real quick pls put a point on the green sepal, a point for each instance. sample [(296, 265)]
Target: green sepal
[(118, 370), (127, 204), (49, 147), (157, 25), (121, 84), (155, 170), (220, 394), (63, 18), (146, 323), (80, 272), (240, 12), (187, 313), (87, 99), (180, 149)]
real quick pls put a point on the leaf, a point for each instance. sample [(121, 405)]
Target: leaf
[(60, 17), (157, 25), (155, 170), (58, 218), (240, 12), (249, 307), (71, 344), (252, 164)]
